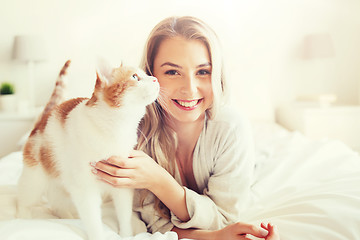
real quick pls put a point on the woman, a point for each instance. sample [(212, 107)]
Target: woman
[(195, 158)]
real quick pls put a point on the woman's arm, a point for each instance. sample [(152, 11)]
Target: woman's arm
[(168, 190), (142, 172), (195, 234)]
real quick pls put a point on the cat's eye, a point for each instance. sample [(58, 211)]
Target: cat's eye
[(135, 77)]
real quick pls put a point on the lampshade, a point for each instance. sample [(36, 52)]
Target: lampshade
[(29, 48), (318, 45)]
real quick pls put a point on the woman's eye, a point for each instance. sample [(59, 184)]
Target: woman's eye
[(135, 77), (172, 72), (203, 72)]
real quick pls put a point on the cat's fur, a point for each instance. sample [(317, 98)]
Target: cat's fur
[(72, 134)]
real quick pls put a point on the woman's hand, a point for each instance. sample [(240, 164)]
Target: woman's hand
[(142, 172), (136, 171), (235, 231), (241, 230)]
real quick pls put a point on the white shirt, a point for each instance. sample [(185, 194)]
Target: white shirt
[(223, 165)]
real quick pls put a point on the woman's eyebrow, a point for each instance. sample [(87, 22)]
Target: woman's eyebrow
[(170, 64), (204, 65), (177, 66)]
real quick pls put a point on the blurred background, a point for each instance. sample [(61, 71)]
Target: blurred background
[(276, 51)]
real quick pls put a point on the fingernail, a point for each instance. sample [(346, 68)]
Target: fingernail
[(94, 171), (263, 232), (93, 164)]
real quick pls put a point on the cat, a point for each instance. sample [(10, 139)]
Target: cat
[(70, 135)]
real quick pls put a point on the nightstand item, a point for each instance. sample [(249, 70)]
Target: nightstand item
[(317, 122)]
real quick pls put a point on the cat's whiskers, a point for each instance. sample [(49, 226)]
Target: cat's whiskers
[(163, 107), (141, 132), (163, 90), (161, 98)]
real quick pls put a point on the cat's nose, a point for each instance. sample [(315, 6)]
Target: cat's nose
[(155, 79)]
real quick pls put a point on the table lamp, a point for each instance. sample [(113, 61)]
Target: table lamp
[(29, 49)]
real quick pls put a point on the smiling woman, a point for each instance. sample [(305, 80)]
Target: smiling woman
[(196, 160)]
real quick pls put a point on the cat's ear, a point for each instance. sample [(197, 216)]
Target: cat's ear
[(100, 81), (104, 70)]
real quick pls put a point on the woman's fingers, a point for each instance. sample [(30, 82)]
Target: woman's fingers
[(112, 170), (244, 228), (241, 231), (121, 162), (118, 177), (115, 181), (130, 162), (273, 232), (263, 225)]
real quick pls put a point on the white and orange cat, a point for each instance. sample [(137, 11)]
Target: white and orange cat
[(70, 135)]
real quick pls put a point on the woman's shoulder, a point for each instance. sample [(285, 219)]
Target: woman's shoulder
[(230, 118), (229, 129), (228, 123)]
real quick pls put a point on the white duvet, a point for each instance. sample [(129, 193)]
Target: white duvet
[(309, 189)]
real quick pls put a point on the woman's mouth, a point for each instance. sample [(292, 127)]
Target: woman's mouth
[(187, 104)]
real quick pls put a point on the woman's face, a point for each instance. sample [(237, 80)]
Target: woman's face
[(183, 69)]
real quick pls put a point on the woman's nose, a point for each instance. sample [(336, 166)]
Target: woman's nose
[(189, 85)]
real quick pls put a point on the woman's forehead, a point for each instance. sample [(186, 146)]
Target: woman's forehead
[(180, 51)]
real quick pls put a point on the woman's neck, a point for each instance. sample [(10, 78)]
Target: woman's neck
[(187, 135)]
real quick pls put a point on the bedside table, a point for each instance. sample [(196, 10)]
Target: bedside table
[(316, 122), (13, 126)]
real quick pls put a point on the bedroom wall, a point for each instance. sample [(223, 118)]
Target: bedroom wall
[(262, 41)]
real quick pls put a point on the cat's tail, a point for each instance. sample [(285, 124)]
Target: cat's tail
[(57, 97), (58, 94)]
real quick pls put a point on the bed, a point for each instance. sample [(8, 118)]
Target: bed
[(309, 189)]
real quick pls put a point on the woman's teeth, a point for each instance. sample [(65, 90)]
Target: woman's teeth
[(187, 104)]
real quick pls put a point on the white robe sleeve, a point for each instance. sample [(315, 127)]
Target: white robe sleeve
[(227, 191), (146, 212)]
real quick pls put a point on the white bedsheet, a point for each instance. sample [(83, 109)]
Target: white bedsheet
[(309, 189)]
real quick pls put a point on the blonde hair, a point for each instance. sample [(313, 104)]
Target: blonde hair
[(156, 138)]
